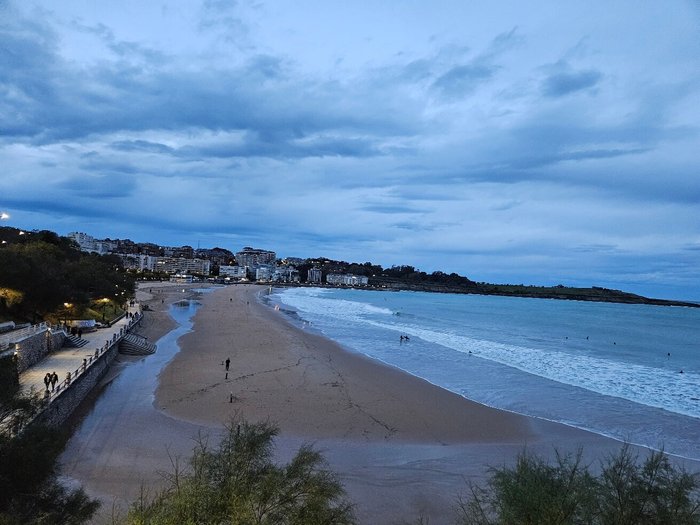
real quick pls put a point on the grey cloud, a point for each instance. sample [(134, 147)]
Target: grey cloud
[(279, 146), (503, 42), (562, 83), (389, 208), (100, 165), (595, 248), (537, 161), (121, 48), (141, 145), (463, 80), (63, 103), (414, 226), (266, 66), (220, 15)]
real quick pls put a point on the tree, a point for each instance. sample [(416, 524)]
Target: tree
[(626, 492), (238, 483), (42, 271), (653, 493), (29, 488)]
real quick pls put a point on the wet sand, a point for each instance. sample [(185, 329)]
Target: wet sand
[(402, 446)]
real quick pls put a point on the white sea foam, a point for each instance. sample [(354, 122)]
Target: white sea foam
[(311, 300), (647, 385), (656, 387)]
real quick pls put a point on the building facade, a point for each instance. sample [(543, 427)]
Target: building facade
[(181, 265), (314, 275), (234, 272), (347, 279), (253, 257)]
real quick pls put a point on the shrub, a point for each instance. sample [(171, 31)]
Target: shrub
[(238, 483), (626, 492)]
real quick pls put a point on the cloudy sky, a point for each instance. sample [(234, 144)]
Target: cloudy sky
[(511, 142)]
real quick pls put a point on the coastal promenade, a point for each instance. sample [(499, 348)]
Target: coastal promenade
[(69, 363)]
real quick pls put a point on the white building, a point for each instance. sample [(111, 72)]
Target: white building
[(182, 265), (253, 257), (140, 262), (235, 272), (314, 275), (285, 274), (347, 279), (88, 243), (263, 273)]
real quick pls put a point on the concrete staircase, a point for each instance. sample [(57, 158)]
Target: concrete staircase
[(73, 341), (132, 344)]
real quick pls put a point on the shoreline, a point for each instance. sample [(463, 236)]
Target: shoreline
[(402, 446), (311, 386)]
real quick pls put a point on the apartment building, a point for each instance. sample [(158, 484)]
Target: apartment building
[(253, 257), (234, 272), (314, 275)]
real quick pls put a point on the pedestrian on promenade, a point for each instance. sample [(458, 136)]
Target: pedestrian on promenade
[(54, 380), (228, 363), (80, 332), (47, 380)]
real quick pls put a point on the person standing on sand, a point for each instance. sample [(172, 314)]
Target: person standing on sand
[(228, 363)]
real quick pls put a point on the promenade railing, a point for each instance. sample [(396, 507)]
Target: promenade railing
[(14, 336), (72, 375), (50, 394)]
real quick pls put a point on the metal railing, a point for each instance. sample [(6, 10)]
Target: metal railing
[(72, 375), (14, 426), (17, 335)]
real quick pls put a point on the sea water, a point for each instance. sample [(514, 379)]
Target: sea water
[(631, 372)]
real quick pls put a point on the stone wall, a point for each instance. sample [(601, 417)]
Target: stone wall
[(68, 399), (34, 348)]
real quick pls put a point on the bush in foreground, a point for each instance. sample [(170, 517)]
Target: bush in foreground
[(626, 492), (30, 490), (237, 483)]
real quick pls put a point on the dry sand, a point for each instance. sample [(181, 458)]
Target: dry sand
[(310, 386), (403, 447)]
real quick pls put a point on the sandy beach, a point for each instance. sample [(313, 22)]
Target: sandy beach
[(310, 386), (402, 446)]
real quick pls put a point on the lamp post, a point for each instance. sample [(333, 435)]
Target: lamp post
[(104, 305), (66, 312)]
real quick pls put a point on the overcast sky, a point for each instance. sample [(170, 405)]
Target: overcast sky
[(511, 142)]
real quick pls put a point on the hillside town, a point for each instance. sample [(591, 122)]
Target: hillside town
[(188, 264)]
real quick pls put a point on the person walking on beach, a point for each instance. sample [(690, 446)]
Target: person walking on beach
[(228, 363), (54, 380), (47, 380)]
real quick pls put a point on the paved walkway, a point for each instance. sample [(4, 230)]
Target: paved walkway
[(74, 360)]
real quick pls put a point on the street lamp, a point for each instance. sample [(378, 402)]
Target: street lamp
[(104, 305), (66, 312)]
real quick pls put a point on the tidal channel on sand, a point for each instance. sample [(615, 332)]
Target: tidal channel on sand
[(122, 442)]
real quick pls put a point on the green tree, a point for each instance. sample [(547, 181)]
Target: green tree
[(30, 492), (653, 493), (627, 491), (41, 271), (533, 492), (237, 483)]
